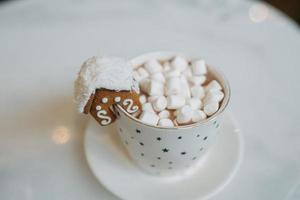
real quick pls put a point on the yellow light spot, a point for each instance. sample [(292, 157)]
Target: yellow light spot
[(258, 12), (61, 135)]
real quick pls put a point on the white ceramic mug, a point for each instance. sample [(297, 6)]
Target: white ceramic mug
[(165, 151)]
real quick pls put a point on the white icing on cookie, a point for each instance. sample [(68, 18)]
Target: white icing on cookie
[(117, 99), (102, 72), (104, 100), (102, 114), (130, 108)]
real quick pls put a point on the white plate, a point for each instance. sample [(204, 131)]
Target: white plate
[(113, 168)]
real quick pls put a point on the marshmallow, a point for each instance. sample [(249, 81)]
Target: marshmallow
[(152, 98), (211, 107), (149, 118), (147, 107), (164, 114), (213, 95), (143, 73), (143, 99), (213, 85), (159, 104), (172, 73), (194, 103), (182, 83), (184, 115), (187, 72), (198, 115), (165, 123), (136, 76), (197, 80), (185, 87), (175, 101), (158, 77), (173, 86), (197, 92), (155, 88), (153, 66), (144, 85), (199, 67), (179, 63)]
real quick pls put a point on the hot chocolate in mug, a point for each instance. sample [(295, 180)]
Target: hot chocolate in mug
[(163, 150)]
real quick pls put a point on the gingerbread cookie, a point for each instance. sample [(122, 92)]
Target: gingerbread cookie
[(103, 100), (102, 83)]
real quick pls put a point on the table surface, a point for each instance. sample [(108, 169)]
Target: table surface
[(43, 43)]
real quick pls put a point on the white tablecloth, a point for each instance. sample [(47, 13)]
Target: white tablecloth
[(43, 43)]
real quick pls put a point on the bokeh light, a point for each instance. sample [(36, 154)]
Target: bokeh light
[(258, 12), (61, 135)]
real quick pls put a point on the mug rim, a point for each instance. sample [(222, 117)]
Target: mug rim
[(136, 61)]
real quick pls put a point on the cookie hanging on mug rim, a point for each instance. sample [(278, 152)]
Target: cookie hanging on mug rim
[(103, 82)]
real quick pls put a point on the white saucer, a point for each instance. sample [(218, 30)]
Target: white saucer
[(111, 165)]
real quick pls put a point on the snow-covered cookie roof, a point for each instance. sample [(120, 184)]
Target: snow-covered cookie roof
[(101, 72)]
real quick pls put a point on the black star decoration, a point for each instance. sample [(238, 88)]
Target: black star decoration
[(158, 138), (165, 150)]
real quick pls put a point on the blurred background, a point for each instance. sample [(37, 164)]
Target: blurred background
[(289, 7), (43, 43)]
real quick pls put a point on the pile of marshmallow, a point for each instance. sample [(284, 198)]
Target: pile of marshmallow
[(176, 92)]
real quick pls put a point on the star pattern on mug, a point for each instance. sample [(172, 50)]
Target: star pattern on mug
[(165, 150), (162, 160)]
